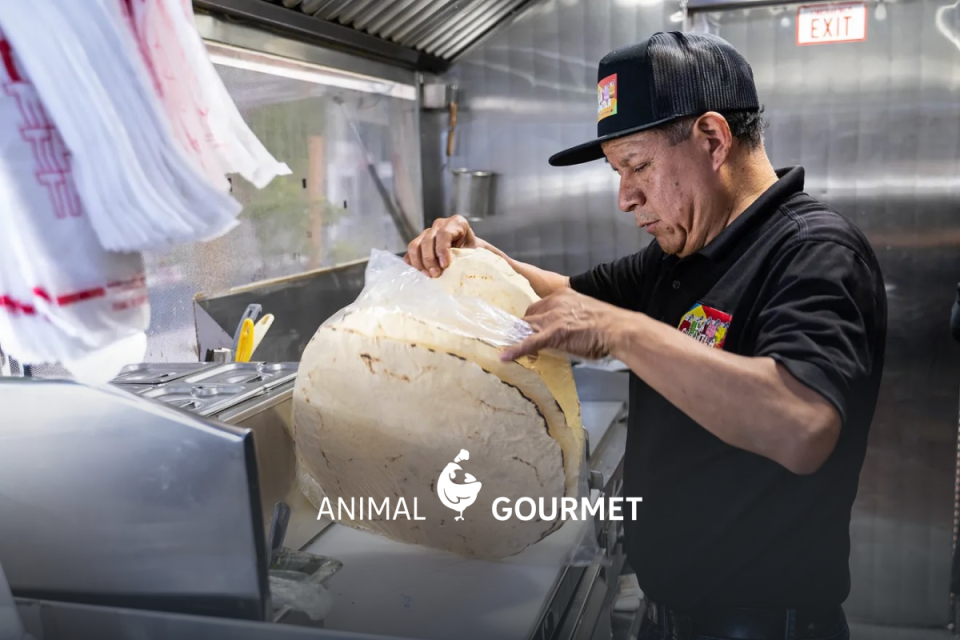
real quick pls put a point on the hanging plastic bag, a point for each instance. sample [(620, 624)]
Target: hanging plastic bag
[(138, 186), (175, 83), (63, 298), (200, 110), (239, 149)]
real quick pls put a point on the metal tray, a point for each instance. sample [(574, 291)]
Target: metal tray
[(241, 411), (264, 374), (158, 372), (203, 399), (137, 389)]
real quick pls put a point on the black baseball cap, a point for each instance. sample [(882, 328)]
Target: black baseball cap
[(666, 77)]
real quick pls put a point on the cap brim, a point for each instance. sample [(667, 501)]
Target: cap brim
[(590, 151), (586, 152)]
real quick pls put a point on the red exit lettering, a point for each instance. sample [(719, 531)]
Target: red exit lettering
[(821, 24), (835, 27)]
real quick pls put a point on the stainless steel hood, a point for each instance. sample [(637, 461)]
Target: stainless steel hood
[(427, 35)]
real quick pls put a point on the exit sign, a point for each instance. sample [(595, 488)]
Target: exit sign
[(826, 23)]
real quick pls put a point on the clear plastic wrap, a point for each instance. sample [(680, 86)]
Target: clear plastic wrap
[(289, 593), (298, 583), (393, 288)]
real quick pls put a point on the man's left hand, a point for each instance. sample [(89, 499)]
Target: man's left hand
[(569, 322)]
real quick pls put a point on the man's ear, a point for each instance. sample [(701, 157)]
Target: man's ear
[(712, 134)]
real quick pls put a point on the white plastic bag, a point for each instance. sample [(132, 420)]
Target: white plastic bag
[(63, 298), (204, 118), (175, 83), (119, 143), (240, 149), (138, 186)]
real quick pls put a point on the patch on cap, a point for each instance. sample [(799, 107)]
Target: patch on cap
[(607, 97)]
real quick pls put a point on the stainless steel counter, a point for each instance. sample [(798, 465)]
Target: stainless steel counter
[(51, 620), (385, 588), (249, 395), (11, 627)]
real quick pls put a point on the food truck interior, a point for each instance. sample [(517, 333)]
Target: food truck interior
[(391, 114)]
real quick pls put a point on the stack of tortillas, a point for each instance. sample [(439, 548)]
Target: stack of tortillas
[(386, 401)]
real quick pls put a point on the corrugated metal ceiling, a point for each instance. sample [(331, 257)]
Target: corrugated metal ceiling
[(440, 28)]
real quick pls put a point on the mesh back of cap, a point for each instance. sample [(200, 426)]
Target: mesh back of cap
[(696, 73)]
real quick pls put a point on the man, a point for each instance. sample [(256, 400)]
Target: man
[(745, 445)]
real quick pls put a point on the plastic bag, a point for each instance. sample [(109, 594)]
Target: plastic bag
[(205, 120), (391, 287), (288, 593), (239, 148), (298, 583), (63, 298), (173, 78), (119, 143), (138, 186)]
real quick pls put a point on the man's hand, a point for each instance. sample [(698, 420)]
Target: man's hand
[(430, 251), (572, 323)]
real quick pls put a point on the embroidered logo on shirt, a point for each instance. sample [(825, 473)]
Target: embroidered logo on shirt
[(607, 97), (706, 325)]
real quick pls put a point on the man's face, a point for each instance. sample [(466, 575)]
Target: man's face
[(664, 186)]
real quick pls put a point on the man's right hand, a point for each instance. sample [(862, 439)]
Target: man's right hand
[(430, 251)]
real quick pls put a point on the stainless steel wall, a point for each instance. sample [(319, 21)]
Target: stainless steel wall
[(877, 127), (529, 92)]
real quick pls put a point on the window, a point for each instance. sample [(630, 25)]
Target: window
[(335, 130)]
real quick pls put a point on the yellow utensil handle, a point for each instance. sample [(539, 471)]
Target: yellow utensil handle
[(245, 346)]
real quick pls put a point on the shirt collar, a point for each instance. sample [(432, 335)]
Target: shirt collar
[(789, 183)]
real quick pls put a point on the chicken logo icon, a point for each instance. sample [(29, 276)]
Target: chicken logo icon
[(457, 496)]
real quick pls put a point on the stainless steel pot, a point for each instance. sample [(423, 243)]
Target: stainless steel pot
[(473, 193)]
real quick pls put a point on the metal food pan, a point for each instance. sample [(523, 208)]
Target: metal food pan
[(158, 372), (203, 399), (264, 374), (136, 389)]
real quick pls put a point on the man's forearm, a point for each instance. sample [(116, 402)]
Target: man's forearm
[(750, 403), (543, 282)]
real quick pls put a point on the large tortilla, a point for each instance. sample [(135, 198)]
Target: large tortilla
[(384, 401), (485, 275), (482, 274)]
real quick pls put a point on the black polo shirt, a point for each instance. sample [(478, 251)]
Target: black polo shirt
[(719, 526)]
